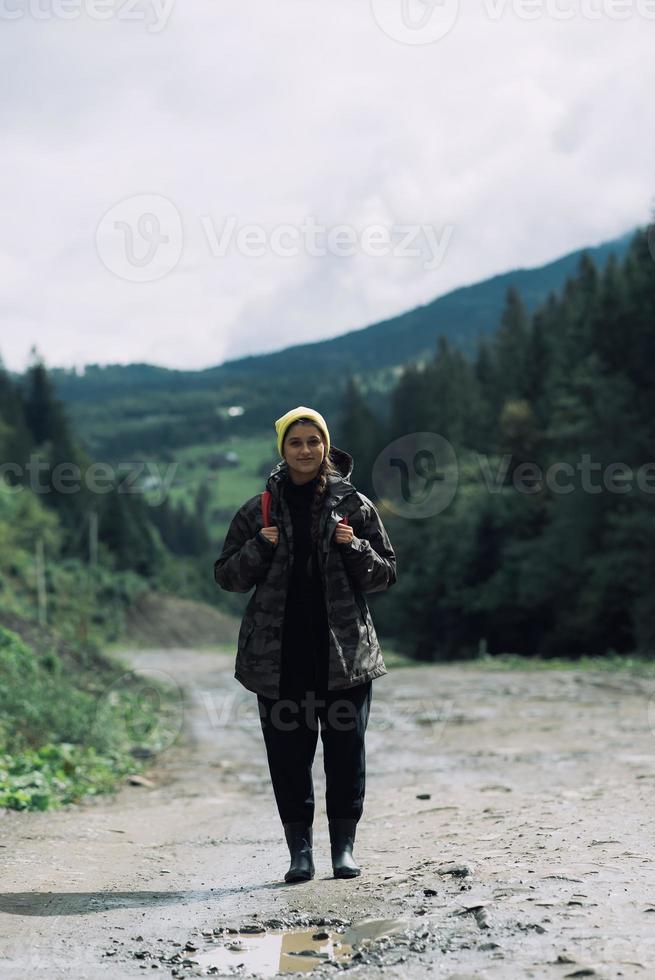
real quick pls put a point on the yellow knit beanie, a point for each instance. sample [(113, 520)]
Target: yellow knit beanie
[(301, 412)]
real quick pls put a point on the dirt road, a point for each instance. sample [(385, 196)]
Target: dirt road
[(508, 824)]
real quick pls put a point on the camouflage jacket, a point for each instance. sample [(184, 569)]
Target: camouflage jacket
[(368, 564)]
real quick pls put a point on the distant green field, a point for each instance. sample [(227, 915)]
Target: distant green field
[(230, 486)]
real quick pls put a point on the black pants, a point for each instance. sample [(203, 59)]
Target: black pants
[(290, 728)]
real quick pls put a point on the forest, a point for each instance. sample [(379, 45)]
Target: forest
[(546, 547), (560, 563)]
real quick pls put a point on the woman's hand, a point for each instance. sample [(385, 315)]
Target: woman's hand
[(271, 534), (343, 534)]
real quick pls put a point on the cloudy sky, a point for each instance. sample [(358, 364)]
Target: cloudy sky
[(185, 182)]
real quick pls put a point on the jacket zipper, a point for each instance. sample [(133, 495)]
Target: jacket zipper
[(359, 605)]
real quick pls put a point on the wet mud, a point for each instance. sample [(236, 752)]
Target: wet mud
[(507, 833)]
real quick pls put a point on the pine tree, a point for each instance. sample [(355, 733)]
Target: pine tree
[(510, 350), (15, 438), (358, 432)]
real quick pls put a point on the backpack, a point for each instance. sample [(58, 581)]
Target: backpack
[(266, 508)]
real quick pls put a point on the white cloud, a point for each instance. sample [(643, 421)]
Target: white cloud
[(529, 138)]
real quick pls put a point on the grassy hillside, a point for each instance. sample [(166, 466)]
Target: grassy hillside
[(228, 486)]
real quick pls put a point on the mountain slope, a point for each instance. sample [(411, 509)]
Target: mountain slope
[(142, 407)]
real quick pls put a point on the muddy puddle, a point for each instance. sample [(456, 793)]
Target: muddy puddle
[(514, 839), (277, 951), (270, 949)]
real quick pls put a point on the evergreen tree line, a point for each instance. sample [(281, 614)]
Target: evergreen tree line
[(36, 438), (552, 561)]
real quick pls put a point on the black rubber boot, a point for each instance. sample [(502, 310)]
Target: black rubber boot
[(299, 839), (342, 838)]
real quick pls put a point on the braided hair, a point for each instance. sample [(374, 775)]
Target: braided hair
[(326, 467)]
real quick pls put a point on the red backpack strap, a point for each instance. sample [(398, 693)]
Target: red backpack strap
[(344, 520), (266, 506)]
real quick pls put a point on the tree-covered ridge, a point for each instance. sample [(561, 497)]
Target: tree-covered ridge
[(121, 408), (68, 520), (549, 545), (545, 549)]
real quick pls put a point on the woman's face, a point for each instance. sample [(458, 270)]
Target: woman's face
[(303, 450)]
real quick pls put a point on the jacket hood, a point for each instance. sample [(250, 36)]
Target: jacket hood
[(340, 485)]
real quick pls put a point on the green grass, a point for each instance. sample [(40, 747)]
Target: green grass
[(58, 774), (611, 662), (230, 486), (393, 658), (71, 730)]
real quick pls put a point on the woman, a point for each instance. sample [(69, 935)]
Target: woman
[(307, 644)]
